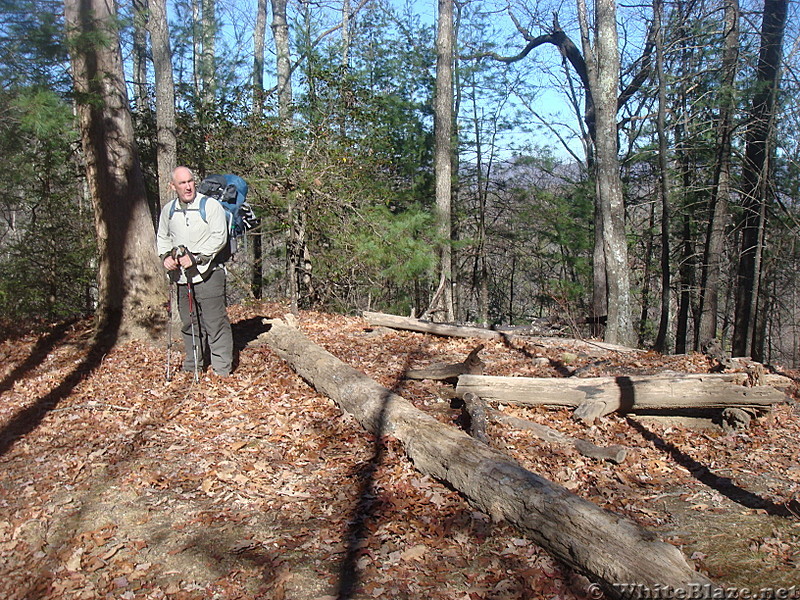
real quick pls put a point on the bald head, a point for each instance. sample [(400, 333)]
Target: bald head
[(183, 184)]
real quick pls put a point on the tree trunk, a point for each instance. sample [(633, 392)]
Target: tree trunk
[(615, 454), (443, 119), (663, 181), (609, 549), (507, 334), (139, 56), (604, 80), (208, 75), (131, 292), (166, 153), (259, 34), (721, 190), (624, 394), (756, 174), (280, 32)]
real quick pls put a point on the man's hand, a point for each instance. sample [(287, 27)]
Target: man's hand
[(187, 260), (179, 258), (170, 264)]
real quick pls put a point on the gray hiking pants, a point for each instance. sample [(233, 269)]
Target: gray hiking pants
[(204, 322)]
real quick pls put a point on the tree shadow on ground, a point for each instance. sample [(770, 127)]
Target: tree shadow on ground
[(723, 485), (367, 506), (28, 419)]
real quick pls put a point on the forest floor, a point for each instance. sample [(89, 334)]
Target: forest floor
[(115, 483)]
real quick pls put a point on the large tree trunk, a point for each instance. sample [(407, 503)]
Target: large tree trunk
[(442, 304), (756, 174), (139, 56), (609, 549), (166, 153), (280, 32), (603, 72), (130, 290)]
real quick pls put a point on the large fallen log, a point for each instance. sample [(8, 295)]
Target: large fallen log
[(599, 396), (498, 333), (611, 550)]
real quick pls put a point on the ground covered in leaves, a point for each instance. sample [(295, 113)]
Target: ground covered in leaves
[(115, 483)]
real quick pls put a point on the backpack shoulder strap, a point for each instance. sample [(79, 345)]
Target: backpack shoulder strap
[(203, 208)]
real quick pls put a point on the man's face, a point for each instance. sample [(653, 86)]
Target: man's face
[(183, 185)]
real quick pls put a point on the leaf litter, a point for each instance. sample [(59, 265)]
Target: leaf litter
[(257, 486)]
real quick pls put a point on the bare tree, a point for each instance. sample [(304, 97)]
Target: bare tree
[(602, 65), (721, 190), (663, 178), (259, 33), (139, 56)]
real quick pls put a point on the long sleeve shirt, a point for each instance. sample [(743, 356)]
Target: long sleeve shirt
[(186, 227)]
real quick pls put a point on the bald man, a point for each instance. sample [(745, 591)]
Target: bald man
[(189, 243)]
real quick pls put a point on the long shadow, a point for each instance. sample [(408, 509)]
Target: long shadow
[(28, 419), (39, 352), (723, 485), (367, 505)]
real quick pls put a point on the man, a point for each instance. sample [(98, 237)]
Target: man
[(189, 240)]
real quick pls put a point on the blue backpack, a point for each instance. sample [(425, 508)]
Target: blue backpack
[(231, 191)]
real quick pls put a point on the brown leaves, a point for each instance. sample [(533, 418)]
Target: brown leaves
[(257, 486)]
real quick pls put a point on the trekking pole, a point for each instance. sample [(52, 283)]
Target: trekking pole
[(169, 330), (192, 316), (179, 252)]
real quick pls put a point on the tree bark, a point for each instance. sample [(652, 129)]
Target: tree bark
[(756, 175), (139, 56), (259, 33), (607, 548), (615, 454), (721, 190), (280, 32), (663, 180), (508, 334), (619, 326), (130, 291), (443, 152), (603, 395), (472, 365), (167, 150)]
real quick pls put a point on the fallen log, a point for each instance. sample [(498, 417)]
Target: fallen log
[(464, 331), (609, 549), (599, 396), (476, 414), (472, 365)]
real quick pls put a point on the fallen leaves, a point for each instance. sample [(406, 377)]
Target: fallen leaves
[(257, 487)]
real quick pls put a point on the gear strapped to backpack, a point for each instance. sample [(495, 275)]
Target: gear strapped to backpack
[(231, 191)]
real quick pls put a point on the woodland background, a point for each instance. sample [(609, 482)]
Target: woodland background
[(327, 110)]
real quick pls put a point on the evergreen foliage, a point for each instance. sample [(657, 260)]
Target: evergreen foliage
[(356, 162)]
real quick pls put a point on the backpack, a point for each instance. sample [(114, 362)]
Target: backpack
[(231, 191)]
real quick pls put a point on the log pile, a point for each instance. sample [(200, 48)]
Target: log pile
[(609, 549)]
